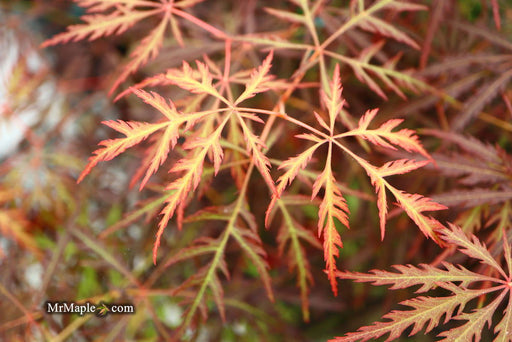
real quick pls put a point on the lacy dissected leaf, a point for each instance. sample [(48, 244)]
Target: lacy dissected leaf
[(490, 35), (203, 140), (171, 134), (259, 81), (463, 63), (332, 100), (385, 136), (400, 166), (503, 328), (382, 204), (477, 103), (211, 213), (254, 147), (361, 67), (196, 81), (237, 157), (502, 218), (333, 206), (390, 168), (209, 281), (148, 48), (154, 157), (374, 24), (471, 145), (200, 81), (476, 321), (413, 204), (428, 311), (192, 168), (386, 73), (250, 243), (428, 277), (473, 197), (106, 18), (96, 25), (201, 246), (362, 17), (149, 208), (482, 172), (471, 171), (294, 165), (470, 246), (242, 229), (135, 132), (291, 234)]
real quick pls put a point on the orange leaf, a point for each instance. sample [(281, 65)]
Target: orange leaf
[(135, 132), (333, 206)]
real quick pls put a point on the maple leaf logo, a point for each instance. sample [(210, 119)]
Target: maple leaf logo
[(102, 310)]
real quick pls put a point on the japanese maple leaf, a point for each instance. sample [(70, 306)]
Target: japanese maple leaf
[(464, 286), (174, 123), (113, 17), (333, 205)]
